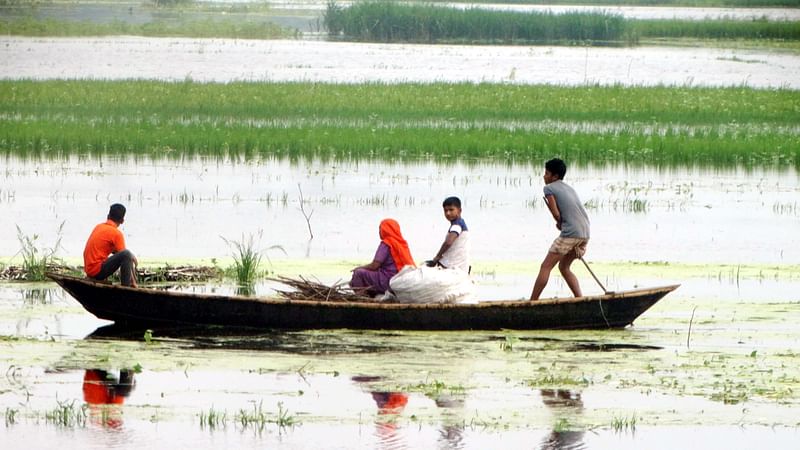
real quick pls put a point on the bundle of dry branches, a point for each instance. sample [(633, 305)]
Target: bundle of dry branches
[(316, 291), (178, 273), (17, 273)]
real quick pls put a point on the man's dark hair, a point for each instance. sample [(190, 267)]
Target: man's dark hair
[(452, 201), (116, 213), (556, 167)]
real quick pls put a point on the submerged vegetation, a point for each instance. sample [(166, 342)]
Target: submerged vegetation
[(662, 126), (387, 21)]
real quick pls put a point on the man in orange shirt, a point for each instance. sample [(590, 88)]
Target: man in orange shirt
[(106, 239)]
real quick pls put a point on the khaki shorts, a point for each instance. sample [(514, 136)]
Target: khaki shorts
[(564, 245)]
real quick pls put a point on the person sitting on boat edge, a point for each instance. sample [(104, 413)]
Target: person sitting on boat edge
[(391, 256), (454, 252), (571, 219), (106, 239)]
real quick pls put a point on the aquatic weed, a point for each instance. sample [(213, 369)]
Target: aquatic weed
[(213, 419), (11, 416), (35, 260), (508, 343), (67, 414), (258, 418), (619, 424)]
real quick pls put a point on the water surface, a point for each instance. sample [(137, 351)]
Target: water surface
[(223, 60)]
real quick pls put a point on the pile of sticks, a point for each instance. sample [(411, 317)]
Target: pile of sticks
[(17, 273), (315, 291), (178, 273)]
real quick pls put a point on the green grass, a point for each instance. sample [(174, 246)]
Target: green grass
[(663, 126), (36, 259), (246, 258), (205, 28), (387, 21), (715, 29)]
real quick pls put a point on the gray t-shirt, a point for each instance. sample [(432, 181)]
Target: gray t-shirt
[(574, 220)]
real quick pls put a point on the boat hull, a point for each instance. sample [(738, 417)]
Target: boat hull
[(153, 307)]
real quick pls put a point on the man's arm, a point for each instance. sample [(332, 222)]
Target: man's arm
[(553, 207), (448, 242)]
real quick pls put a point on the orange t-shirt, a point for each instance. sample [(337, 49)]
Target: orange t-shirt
[(104, 240)]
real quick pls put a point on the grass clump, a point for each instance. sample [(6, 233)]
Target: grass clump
[(257, 418), (213, 419), (67, 414), (620, 424), (36, 260), (246, 258), (11, 416)]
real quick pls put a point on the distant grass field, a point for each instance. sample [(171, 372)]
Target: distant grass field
[(207, 28), (648, 126), (387, 21)]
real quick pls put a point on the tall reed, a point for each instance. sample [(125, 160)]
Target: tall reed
[(36, 259), (246, 258), (387, 21)]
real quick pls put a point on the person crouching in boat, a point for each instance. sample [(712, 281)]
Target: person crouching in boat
[(392, 255), (106, 239)]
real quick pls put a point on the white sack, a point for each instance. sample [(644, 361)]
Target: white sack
[(432, 285)]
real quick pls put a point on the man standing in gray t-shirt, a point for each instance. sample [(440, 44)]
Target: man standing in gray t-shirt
[(571, 219)]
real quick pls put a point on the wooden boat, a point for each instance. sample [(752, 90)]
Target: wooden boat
[(153, 307)]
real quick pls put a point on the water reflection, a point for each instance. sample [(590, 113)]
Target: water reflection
[(105, 393), (564, 403), (391, 404)]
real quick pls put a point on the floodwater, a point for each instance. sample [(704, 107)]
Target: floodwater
[(224, 60), (677, 215), (735, 385)]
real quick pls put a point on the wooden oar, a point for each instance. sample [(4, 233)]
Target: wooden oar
[(606, 291)]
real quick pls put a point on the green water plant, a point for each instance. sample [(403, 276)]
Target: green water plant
[(213, 419), (68, 414), (258, 418), (623, 423), (36, 259), (247, 257), (11, 416)]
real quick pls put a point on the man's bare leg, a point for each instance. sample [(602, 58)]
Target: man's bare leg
[(566, 272), (549, 262)]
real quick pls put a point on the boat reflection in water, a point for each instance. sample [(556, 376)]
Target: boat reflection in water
[(105, 394), (391, 405), (562, 402)]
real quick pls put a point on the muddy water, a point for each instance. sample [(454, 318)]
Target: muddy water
[(734, 386), (223, 60)]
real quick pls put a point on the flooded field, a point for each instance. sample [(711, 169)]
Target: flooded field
[(710, 213), (713, 365), (223, 60)]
